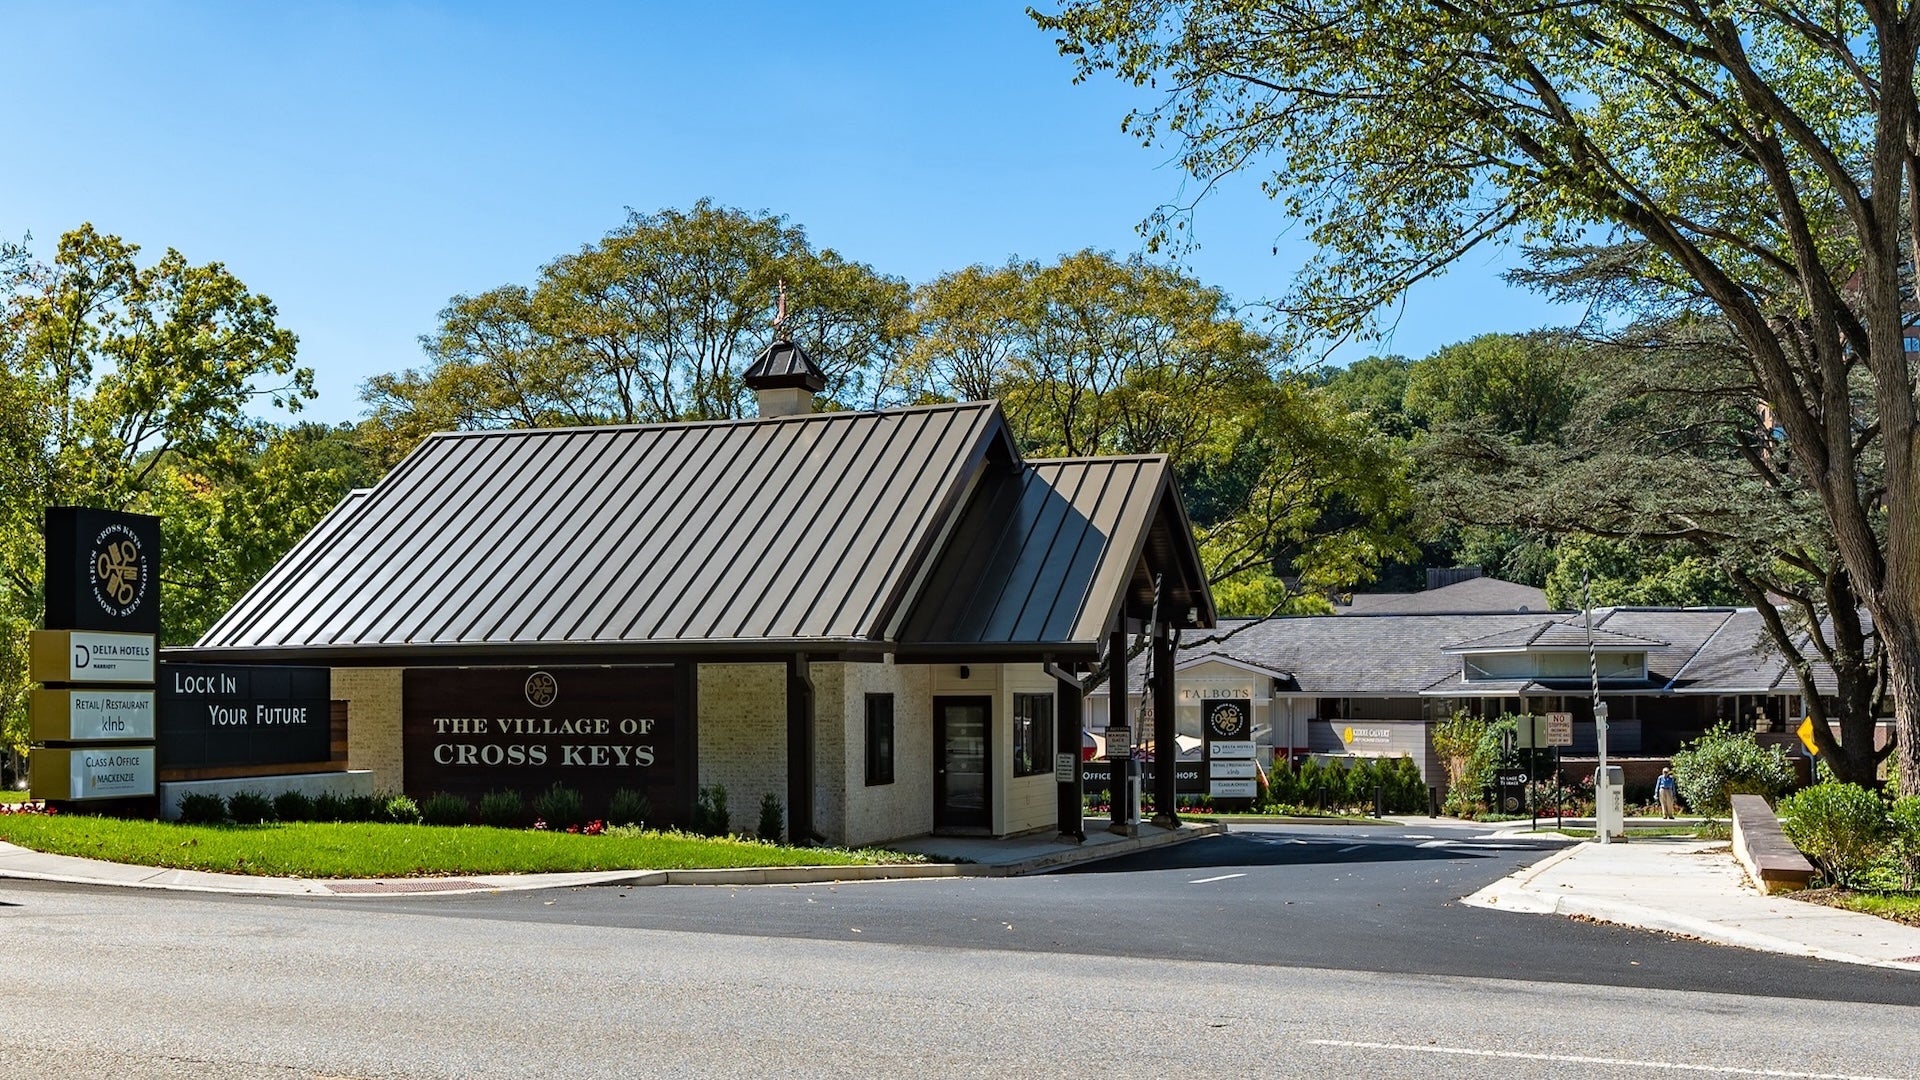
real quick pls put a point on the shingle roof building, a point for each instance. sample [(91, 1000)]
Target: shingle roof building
[(1479, 594)]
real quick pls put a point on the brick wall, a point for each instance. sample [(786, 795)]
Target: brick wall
[(833, 739), (743, 735), (905, 807), (373, 722), (1028, 803)]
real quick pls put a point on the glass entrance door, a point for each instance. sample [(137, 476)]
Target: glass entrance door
[(961, 784)]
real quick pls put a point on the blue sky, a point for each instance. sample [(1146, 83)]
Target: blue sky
[(360, 164)]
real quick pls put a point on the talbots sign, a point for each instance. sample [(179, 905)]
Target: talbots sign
[(103, 570), (469, 731)]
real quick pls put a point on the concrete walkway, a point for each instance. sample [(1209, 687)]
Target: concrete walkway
[(955, 857), (1696, 889)]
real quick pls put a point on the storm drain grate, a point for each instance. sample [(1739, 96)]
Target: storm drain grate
[(1908, 960), (436, 885)]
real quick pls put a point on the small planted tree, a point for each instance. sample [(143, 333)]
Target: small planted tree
[(1454, 741), (772, 818), (710, 814)]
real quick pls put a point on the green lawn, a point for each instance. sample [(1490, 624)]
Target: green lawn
[(311, 850), (1901, 907)]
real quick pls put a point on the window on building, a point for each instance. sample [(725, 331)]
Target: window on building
[(1912, 344), (1032, 734), (879, 739)]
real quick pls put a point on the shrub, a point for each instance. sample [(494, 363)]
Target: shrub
[(560, 806), (502, 809), (1723, 763), (710, 814), (628, 807), (249, 808), (772, 818), (1280, 782), (363, 808), (1904, 817), (329, 807), (1841, 827), (199, 809), (293, 806), (1408, 789), (1311, 782), (1363, 777), (399, 810), (442, 808)]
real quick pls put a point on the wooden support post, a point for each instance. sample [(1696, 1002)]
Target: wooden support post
[(799, 751), (1118, 757), (1166, 744), (1069, 711)]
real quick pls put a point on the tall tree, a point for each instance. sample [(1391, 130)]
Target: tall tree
[(654, 322), (1669, 488), (1522, 386), (1097, 355), (1767, 154), (113, 376)]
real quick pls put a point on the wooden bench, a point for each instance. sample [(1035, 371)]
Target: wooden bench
[(1758, 842)]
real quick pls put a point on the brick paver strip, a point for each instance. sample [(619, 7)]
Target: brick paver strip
[(434, 885)]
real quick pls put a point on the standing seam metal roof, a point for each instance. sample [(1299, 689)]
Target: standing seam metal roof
[(801, 532), (1038, 550), (783, 529)]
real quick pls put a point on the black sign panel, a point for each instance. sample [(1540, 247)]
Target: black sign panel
[(469, 731), (1226, 720), (1187, 776), (221, 714), (103, 570)]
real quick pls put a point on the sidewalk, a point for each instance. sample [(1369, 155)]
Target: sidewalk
[(1695, 888), (958, 857)]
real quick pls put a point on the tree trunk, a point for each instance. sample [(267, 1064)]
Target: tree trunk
[(1900, 636)]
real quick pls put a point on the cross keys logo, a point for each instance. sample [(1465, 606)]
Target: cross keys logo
[(542, 689), (119, 578), (1227, 721)]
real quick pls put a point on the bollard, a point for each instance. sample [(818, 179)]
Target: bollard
[(1379, 801), (1433, 802)]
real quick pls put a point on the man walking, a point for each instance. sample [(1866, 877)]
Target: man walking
[(1666, 791)]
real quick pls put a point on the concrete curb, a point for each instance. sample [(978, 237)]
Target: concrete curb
[(1626, 914), (200, 881), (1515, 893), (1077, 855)]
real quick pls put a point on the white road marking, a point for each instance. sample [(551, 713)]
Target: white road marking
[(1417, 836), (1222, 877), (1438, 843), (1582, 1059), (1351, 847)]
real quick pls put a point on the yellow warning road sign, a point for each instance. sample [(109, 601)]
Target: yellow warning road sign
[(1806, 735)]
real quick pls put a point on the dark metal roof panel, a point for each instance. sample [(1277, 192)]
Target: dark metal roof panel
[(1041, 556), (786, 529), (784, 364)]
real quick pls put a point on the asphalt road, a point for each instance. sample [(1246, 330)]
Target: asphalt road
[(1339, 956), (1352, 898)]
